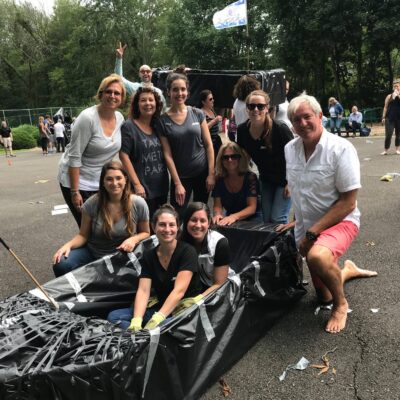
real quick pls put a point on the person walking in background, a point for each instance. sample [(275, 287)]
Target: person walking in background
[(59, 133), (145, 75), (95, 140), (43, 136), (336, 114), (213, 120), (113, 219), (281, 109), (187, 147), (354, 122), (391, 118), (7, 139), (141, 151), (264, 140), (244, 86)]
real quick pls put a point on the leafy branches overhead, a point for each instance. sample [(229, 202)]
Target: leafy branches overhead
[(345, 48)]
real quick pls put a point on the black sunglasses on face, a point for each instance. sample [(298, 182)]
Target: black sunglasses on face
[(259, 106), (211, 99), (231, 157)]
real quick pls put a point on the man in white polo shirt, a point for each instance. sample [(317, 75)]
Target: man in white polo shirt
[(323, 174)]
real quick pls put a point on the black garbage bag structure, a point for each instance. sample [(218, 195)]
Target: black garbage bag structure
[(75, 354), (222, 82)]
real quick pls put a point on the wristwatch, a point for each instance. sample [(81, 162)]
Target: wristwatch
[(312, 236)]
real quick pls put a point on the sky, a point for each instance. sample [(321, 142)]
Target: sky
[(46, 5)]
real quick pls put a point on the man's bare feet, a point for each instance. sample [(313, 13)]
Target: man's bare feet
[(351, 271), (337, 320)]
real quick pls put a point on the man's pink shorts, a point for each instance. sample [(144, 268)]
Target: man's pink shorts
[(338, 238)]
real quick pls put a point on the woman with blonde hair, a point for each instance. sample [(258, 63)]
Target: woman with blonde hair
[(113, 219), (236, 190), (264, 140), (43, 136), (95, 140)]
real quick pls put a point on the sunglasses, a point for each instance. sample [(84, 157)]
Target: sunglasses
[(211, 99), (259, 106), (231, 157), (145, 71), (110, 92)]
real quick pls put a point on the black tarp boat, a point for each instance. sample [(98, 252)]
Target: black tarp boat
[(75, 354)]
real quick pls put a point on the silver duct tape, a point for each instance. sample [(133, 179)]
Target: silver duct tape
[(205, 321), (76, 286), (109, 265), (39, 294), (277, 261), (257, 284), (154, 339), (135, 262)]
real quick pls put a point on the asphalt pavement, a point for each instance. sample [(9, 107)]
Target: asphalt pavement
[(364, 359)]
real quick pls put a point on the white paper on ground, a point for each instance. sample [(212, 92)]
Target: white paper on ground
[(62, 211)]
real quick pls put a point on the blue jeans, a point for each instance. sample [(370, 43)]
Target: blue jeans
[(336, 123), (123, 316), (77, 258), (275, 207)]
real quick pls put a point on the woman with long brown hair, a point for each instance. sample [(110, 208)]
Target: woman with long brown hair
[(113, 219), (141, 152), (264, 140)]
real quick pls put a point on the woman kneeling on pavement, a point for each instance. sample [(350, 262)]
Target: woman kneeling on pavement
[(211, 246), (113, 219), (170, 269)]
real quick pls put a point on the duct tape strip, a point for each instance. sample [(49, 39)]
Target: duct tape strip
[(109, 265), (205, 321), (135, 262), (236, 279), (257, 284), (76, 286), (277, 261), (154, 339), (39, 294)]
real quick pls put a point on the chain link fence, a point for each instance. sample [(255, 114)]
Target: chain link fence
[(16, 117)]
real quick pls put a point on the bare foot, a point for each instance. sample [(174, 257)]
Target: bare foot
[(351, 271), (337, 320)]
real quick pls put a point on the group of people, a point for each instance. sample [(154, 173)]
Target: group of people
[(52, 135), (113, 203)]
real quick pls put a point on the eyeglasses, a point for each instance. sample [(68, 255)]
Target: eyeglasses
[(234, 157), (259, 106), (110, 92), (145, 71)]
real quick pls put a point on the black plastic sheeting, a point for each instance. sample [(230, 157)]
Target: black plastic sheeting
[(221, 84), (63, 355)]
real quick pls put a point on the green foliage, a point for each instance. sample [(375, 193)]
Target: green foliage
[(24, 137)]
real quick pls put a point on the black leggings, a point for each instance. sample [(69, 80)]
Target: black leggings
[(195, 185), (44, 142), (66, 192)]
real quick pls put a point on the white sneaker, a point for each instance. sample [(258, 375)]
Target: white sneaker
[(397, 151), (384, 153)]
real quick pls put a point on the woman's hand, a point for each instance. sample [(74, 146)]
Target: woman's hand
[(229, 220), (217, 119), (139, 190), (62, 251), (286, 192), (284, 227), (77, 200), (210, 182), (180, 193), (128, 245)]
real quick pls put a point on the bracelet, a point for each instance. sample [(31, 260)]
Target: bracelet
[(74, 193)]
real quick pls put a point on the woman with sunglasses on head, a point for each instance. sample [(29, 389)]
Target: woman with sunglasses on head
[(213, 120), (187, 147), (264, 140), (95, 140), (170, 269), (141, 151), (212, 247), (236, 189), (113, 219)]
